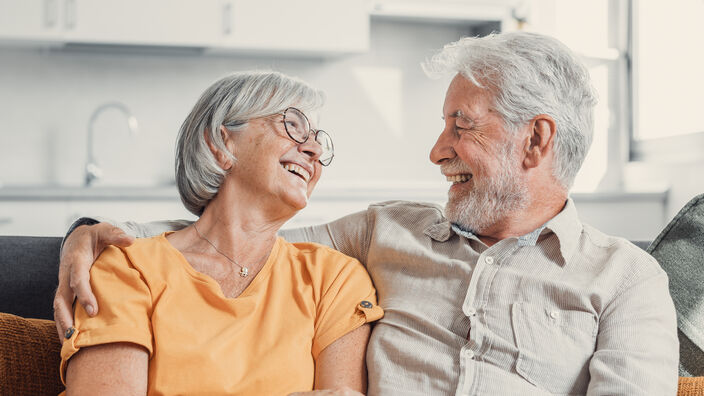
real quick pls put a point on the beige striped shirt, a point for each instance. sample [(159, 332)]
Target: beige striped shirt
[(563, 310)]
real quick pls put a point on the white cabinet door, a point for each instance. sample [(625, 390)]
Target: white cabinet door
[(131, 210), (30, 20), (38, 218), (303, 26), (144, 22)]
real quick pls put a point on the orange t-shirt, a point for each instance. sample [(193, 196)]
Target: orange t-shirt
[(264, 342)]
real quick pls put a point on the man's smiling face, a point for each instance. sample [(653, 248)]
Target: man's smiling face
[(480, 157)]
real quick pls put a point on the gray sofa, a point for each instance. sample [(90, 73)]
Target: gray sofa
[(28, 275)]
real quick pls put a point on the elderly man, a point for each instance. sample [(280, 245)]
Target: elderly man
[(504, 291)]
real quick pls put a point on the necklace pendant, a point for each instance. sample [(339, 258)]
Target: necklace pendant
[(244, 272)]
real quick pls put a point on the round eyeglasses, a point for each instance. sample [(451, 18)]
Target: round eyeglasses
[(299, 130)]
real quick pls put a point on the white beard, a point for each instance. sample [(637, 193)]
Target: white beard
[(491, 199)]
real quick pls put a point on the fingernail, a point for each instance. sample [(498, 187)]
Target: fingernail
[(89, 309)]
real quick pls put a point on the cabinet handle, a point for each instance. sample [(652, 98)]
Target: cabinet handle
[(70, 13), (227, 18), (50, 13)]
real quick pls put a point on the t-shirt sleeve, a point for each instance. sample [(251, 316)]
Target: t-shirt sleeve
[(348, 301), (125, 306)]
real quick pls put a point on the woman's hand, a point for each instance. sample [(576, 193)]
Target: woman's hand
[(329, 392), (80, 250)]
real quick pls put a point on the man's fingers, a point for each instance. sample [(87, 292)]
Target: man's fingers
[(63, 312), (111, 235), (80, 284)]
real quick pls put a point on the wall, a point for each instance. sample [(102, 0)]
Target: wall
[(47, 97)]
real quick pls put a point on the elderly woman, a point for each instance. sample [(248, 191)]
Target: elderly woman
[(225, 306)]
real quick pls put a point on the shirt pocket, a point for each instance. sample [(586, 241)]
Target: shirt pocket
[(554, 346)]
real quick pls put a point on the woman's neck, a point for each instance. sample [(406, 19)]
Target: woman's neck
[(234, 227)]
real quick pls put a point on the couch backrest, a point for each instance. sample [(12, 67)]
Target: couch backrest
[(29, 269)]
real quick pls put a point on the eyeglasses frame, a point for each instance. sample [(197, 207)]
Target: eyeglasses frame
[(315, 132)]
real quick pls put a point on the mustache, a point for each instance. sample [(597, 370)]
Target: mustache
[(455, 166)]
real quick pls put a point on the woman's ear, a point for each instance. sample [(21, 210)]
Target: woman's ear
[(222, 158), (538, 144)]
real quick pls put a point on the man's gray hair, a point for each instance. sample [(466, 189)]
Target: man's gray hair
[(529, 74), (231, 101)]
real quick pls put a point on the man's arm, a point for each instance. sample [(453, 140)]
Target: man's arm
[(349, 235), (84, 242), (637, 349), (82, 246)]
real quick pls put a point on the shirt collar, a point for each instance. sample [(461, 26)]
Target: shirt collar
[(565, 225)]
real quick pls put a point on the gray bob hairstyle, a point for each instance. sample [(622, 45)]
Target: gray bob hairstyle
[(231, 101), (529, 74)]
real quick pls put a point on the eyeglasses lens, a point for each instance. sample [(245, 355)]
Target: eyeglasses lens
[(297, 125), (325, 141)]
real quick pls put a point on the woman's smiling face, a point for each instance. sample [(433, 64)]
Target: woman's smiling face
[(271, 168)]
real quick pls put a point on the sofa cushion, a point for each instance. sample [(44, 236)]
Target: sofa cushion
[(29, 356), (29, 268), (680, 251)]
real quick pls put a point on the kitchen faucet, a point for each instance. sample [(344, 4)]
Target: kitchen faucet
[(93, 171)]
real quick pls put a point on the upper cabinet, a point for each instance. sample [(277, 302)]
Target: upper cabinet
[(303, 25), (315, 27), (29, 20), (142, 22)]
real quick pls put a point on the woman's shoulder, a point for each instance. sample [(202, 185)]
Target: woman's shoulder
[(319, 259), (142, 252)]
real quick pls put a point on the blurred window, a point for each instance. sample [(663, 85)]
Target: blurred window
[(668, 87)]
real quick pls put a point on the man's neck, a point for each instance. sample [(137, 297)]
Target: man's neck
[(519, 223)]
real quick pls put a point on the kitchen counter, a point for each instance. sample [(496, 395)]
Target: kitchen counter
[(98, 193)]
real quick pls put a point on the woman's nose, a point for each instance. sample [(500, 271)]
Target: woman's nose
[(311, 148)]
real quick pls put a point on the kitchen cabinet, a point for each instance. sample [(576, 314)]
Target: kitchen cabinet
[(303, 26), (314, 27), (143, 22), (52, 218), (49, 211), (30, 20), (34, 218)]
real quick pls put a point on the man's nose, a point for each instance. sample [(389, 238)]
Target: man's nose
[(444, 147)]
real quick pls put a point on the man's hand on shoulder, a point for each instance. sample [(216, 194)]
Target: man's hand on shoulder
[(80, 249)]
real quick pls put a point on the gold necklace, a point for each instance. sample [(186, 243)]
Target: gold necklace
[(244, 271)]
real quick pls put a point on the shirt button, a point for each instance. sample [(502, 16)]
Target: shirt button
[(471, 311), (366, 304), (489, 260), (554, 314), (469, 354)]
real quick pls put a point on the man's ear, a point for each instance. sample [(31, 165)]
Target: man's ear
[(538, 143), (222, 158)]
